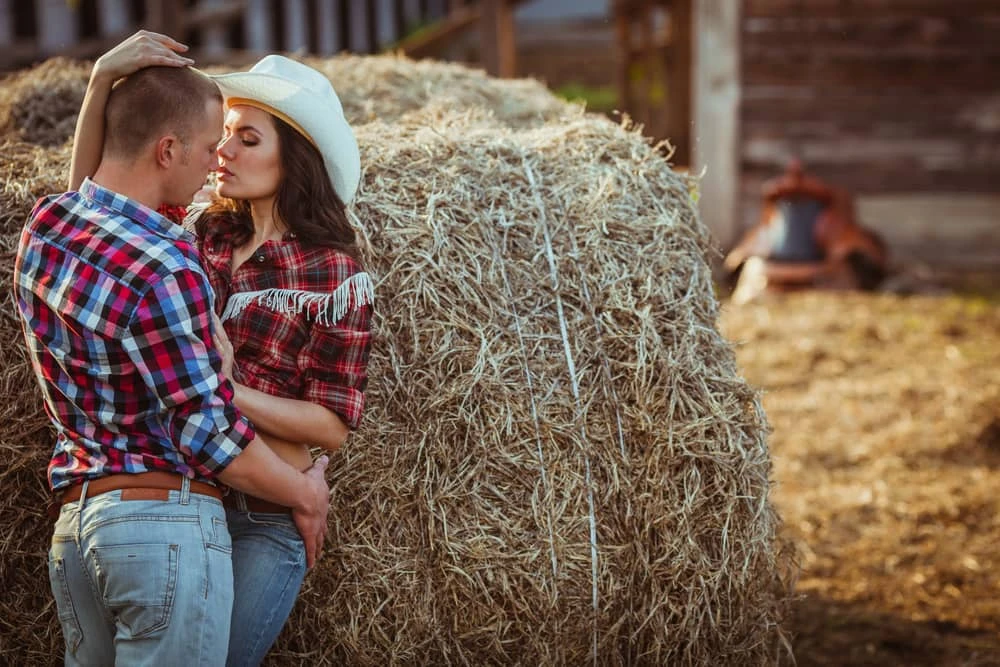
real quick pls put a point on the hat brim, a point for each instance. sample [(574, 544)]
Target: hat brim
[(322, 118)]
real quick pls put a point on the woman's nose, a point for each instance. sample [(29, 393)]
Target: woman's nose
[(225, 150)]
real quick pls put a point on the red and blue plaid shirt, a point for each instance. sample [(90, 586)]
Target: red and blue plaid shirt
[(117, 314), (299, 318)]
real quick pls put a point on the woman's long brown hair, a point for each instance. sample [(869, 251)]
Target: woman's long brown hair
[(305, 201)]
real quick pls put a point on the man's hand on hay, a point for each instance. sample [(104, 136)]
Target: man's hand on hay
[(143, 49), (312, 525)]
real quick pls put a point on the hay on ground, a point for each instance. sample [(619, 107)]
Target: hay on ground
[(560, 463)]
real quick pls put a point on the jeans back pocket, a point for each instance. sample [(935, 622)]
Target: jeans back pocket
[(138, 583)]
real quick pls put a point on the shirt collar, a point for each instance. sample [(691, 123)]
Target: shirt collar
[(133, 210)]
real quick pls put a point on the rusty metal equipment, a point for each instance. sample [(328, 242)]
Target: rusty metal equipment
[(807, 236)]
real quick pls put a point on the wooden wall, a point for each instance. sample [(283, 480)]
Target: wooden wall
[(884, 97)]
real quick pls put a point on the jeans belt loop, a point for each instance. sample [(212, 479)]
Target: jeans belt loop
[(241, 501), (79, 509), (185, 491)]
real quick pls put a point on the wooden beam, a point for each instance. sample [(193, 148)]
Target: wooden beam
[(6, 23), (257, 26), (296, 16), (357, 28), (165, 16), (649, 72), (678, 70), (428, 40), (716, 88), (327, 27), (219, 12), (57, 24), (624, 55), (113, 17), (498, 49), (213, 33)]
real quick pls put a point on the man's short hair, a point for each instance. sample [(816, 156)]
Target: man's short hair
[(153, 102)]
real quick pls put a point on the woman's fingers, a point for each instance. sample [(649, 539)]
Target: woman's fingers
[(143, 49), (166, 40)]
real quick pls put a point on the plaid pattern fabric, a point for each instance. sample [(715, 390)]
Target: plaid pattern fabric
[(116, 316), (299, 319)]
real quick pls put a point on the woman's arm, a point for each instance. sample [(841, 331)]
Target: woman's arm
[(291, 419), (287, 419), (143, 49)]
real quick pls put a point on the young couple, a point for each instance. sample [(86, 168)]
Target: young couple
[(187, 372)]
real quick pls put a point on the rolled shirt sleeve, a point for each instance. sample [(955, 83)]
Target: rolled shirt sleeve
[(169, 341), (334, 363)]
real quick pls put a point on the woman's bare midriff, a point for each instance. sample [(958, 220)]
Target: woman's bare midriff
[(295, 453)]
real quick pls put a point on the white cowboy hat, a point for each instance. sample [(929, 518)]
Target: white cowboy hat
[(305, 99)]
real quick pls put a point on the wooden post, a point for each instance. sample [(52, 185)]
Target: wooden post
[(113, 17), (400, 15), (56, 25), (372, 20), (623, 58), (652, 72), (497, 45), (717, 115), (679, 75), (328, 24), (257, 26), (357, 34), (214, 35), (6, 23), (385, 24), (296, 35), (165, 16)]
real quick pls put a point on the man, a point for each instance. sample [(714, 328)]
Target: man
[(117, 320)]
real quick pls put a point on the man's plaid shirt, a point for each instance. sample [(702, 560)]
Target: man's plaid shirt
[(299, 318), (117, 314)]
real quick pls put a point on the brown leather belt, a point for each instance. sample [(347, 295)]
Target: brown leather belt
[(231, 500), (155, 485)]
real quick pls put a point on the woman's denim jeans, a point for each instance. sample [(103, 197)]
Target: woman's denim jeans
[(143, 582), (269, 564)]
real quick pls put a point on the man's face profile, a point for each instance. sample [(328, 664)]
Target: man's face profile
[(198, 156)]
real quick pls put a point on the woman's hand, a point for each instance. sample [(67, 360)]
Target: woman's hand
[(223, 344), (143, 49)]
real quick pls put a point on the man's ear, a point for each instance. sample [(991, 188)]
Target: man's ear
[(167, 150)]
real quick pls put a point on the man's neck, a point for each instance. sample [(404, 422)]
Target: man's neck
[(128, 180)]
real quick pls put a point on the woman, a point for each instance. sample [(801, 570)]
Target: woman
[(294, 301)]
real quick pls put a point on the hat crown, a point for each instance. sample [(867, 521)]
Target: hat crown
[(300, 75)]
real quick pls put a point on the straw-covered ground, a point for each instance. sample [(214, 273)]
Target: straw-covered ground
[(560, 463), (886, 444)]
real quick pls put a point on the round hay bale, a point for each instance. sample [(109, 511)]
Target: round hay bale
[(559, 463), (387, 88), (29, 632), (40, 105)]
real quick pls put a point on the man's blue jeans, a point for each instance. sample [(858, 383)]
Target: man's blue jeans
[(143, 582), (269, 564)]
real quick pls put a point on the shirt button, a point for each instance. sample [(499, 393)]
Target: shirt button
[(260, 258)]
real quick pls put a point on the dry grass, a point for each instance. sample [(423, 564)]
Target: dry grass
[(560, 463), (886, 442)]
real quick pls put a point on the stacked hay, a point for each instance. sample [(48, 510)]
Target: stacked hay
[(40, 105), (559, 463)]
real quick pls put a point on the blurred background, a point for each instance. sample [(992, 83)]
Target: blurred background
[(848, 154), (894, 101)]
